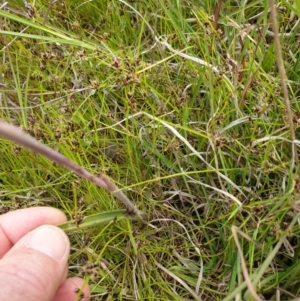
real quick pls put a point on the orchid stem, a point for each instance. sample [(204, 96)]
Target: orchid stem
[(18, 136)]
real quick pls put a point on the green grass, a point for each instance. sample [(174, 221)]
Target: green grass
[(188, 120)]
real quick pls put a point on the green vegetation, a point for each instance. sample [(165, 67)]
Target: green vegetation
[(185, 112)]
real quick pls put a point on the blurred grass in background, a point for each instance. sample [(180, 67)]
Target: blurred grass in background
[(185, 114)]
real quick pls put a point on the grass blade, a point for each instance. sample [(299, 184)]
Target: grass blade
[(96, 220)]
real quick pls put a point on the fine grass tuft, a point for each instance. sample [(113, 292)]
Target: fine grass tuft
[(189, 118)]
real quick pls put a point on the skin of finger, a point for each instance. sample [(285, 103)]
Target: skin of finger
[(31, 275), (69, 290), (16, 224)]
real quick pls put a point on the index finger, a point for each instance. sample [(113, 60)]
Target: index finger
[(16, 224)]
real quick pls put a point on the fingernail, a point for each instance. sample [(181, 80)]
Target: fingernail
[(49, 240)]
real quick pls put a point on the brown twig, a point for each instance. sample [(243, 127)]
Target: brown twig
[(217, 14), (16, 135)]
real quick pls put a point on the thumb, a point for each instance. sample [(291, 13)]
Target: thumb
[(36, 266)]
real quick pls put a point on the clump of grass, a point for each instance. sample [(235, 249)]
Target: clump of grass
[(187, 113)]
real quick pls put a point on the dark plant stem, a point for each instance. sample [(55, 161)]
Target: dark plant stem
[(217, 14), (16, 135)]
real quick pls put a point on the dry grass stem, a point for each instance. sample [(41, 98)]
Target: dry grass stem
[(282, 75), (244, 266), (16, 135)]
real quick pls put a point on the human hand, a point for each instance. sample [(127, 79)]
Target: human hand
[(34, 257)]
